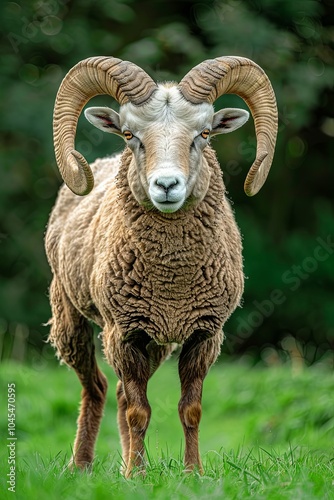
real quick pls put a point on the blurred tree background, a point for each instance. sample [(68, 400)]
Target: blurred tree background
[(288, 227)]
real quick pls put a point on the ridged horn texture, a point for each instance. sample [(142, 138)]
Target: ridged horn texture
[(122, 80), (237, 75)]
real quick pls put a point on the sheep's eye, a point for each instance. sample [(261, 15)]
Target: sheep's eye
[(205, 133), (128, 135)]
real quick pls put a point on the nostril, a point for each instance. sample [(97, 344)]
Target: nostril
[(167, 190), (166, 182)]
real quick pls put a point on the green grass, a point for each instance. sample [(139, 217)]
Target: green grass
[(266, 433)]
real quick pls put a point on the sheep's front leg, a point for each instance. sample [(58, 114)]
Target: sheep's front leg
[(131, 362), (197, 355), (157, 354)]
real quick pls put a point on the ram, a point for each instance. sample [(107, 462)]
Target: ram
[(152, 254)]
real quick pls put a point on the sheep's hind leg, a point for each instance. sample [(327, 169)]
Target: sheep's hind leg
[(197, 355), (156, 355), (123, 424), (72, 335)]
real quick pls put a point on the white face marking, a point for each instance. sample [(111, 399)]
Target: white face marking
[(167, 136), (167, 145)]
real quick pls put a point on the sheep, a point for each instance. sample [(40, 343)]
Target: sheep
[(153, 254)]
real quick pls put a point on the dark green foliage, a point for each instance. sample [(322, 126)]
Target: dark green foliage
[(290, 285)]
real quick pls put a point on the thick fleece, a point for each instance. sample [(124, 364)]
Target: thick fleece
[(129, 268)]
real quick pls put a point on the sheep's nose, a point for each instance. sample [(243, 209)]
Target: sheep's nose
[(167, 190), (166, 183)]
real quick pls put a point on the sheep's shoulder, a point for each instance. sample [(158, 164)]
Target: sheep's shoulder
[(72, 214)]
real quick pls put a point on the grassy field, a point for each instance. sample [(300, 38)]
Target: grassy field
[(266, 433)]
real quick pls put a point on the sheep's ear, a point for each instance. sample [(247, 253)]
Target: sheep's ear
[(106, 119), (228, 119)]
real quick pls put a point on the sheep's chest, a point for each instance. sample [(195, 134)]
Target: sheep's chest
[(172, 279)]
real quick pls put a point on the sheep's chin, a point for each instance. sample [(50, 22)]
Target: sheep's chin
[(168, 207)]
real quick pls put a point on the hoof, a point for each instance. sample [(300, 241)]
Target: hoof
[(134, 472), (191, 469), (80, 465)]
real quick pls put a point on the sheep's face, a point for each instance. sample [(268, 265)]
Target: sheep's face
[(167, 136)]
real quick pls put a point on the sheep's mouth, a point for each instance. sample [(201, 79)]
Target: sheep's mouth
[(168, 206)]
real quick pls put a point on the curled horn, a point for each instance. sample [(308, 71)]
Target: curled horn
[(122, 80), (237, 75)]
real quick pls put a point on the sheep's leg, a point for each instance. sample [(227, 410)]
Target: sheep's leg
[(156, 355), (130, 360), (197, 355), (93, 398), (72, 335), (123, 424)]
